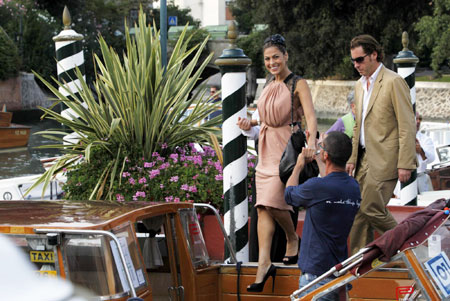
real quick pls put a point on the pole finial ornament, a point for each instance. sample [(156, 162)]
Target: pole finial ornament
[(67, 20), (405, 41), (232, 34)]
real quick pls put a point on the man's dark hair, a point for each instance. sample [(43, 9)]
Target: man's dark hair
[(339, 148), (368, 44)]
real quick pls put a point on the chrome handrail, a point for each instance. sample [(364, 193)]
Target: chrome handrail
[(222, 227)]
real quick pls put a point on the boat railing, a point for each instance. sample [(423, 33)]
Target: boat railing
[(338, 270), (224, 232)]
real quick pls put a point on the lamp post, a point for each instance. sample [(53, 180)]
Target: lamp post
[(233, 64), (163, 32), (405, 62)]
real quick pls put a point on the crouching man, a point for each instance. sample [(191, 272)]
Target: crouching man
[(331, 203)]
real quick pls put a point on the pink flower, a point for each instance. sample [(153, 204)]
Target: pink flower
[(120, 198), (195, 177), (164, 145), (169, 198), (154, 173), (161, 186), (193, 188), (164, 165), (132, 181), (174, 157), (219, 177), (139, 194), (176, 200), (149, 164), (155, 154), (174, 179), (125, 174), (142, 180), (185, 187)]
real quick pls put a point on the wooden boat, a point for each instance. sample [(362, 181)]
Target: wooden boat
[(11, 134), (149, 251)]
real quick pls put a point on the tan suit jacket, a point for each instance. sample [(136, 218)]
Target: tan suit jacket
[(389, 126)]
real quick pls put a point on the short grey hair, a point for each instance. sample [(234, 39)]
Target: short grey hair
[(351, 97)]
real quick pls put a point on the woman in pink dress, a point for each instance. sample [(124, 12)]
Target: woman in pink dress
[(274, 107)]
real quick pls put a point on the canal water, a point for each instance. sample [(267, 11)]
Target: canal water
[(26, 161)]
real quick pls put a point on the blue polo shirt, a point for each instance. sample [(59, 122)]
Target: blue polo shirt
[(331, 204)]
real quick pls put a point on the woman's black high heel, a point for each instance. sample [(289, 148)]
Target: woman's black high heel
[(258, 287), (290, 259)]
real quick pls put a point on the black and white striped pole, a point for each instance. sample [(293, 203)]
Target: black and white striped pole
[(406, 66), (233, 64), (69, 56)]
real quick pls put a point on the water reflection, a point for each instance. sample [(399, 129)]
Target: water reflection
[(25, 161)]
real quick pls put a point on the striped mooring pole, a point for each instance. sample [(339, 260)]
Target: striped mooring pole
[(406, 66), (69, 55), (233, 64)]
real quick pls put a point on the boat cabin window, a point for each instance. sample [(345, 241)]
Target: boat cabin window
[(93, 261), (195, 241)]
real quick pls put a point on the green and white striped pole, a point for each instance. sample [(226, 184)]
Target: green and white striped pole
[(69, 56), (233, 64), (406, 66)]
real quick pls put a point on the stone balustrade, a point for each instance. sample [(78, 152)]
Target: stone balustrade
[(330, 98)]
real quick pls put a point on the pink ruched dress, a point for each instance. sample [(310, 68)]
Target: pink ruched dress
[(274, 108)]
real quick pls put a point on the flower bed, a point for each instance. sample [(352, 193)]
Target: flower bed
[(185, 174)]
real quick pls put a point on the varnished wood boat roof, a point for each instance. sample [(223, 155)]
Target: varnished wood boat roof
[(24, 216), (15, 126)]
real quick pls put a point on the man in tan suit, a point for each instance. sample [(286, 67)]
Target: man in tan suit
[(383, 139)]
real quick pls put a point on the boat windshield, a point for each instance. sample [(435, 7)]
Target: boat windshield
[(93, 262), (196, 243), (433, 256)]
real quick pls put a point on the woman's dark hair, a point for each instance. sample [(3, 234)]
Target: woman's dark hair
[(368, 44), (275, 40)]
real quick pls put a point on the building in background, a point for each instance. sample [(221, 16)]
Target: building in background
[(209, 12)]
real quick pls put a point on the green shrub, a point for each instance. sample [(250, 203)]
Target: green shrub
[(9, 57)]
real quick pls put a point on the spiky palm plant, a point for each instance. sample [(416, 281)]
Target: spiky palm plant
[(140, 106)]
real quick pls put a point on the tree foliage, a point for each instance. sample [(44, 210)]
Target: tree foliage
[(32, 30), (9, 57), (434, 34), (318, 32)]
